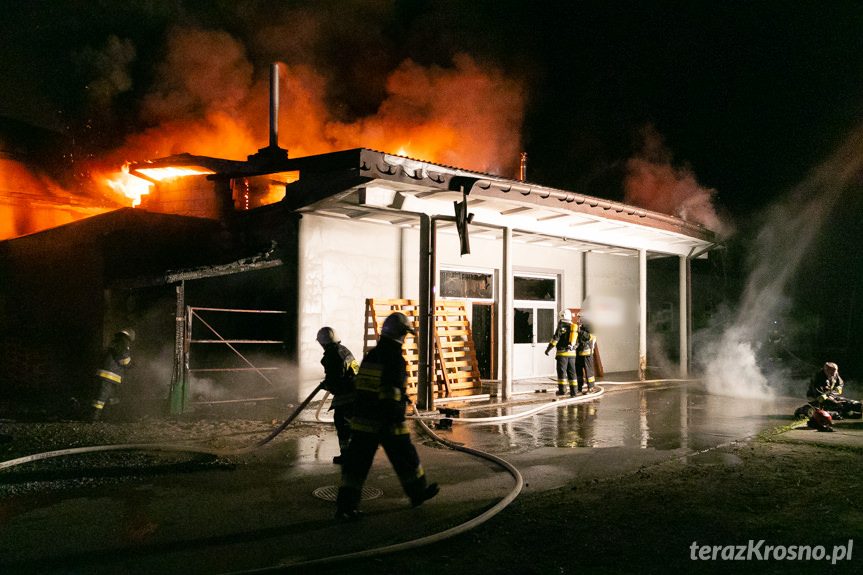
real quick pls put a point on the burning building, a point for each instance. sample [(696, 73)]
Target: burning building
[(346, 228), (282, 246)]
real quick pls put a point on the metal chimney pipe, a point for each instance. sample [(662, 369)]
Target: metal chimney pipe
[(274, 105), (522, 172)]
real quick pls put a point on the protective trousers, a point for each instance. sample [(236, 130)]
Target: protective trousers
[(341, 417), (584, 371), (566, 373), (358, 461)]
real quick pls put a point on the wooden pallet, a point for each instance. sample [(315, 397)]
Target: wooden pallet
[(456, 367), (459, 369)]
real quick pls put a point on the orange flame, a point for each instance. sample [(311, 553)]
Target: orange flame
[(127, 185)]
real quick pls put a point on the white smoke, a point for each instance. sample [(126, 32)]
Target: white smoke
[(730, 363)]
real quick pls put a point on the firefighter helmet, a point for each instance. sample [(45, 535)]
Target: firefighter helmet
[(396, 326), (326, 336), (821, 420), (128, 332), (565, 316)]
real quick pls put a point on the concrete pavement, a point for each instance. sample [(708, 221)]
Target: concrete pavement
[(275, 506)]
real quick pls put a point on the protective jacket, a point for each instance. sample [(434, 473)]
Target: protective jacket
[(340, 369), (822, 387), (115, 359), (565, 339), (381, 396), (586, 342)]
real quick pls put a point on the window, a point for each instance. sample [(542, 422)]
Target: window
[(466, 285), (523, 325), (545, 324), (534, 288)]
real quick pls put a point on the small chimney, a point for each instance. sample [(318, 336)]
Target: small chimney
[(522, 171), (272, 155)]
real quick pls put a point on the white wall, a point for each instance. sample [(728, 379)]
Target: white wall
[(616, 277), (343, 262)]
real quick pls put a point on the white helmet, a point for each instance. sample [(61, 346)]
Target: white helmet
[(396, 326), (128, 332), (565, 316), (326, 336)]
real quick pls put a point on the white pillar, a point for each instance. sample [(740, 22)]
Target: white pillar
[(642, 315), (685, 316), (506, 316)]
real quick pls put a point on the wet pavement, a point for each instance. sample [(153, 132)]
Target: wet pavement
[(274, 506)]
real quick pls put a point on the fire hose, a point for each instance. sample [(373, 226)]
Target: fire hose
[(414, 543), (458, 529), (165, 446)]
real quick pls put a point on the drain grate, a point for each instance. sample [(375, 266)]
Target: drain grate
[(330, 493)]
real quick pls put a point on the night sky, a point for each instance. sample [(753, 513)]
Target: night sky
[(744, 99)]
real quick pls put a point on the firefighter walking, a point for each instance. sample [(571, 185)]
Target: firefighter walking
[(379, 420), (340, 371), (116, 359), (565, 339)]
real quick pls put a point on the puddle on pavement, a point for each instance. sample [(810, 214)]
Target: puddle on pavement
[(666, 418)]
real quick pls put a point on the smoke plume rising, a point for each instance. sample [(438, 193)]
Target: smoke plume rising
[(730, 362), (653, 182)]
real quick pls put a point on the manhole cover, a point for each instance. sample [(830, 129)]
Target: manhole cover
[(330, 492)]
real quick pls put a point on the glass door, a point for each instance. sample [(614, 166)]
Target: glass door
[(535, 307)]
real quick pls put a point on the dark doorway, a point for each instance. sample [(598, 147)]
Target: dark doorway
[(482, 327)]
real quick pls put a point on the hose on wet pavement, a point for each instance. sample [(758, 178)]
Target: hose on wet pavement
[(421, 421), (165, 446), (428, 539)]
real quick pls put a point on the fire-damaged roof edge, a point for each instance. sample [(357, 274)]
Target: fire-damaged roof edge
[(325, 176)]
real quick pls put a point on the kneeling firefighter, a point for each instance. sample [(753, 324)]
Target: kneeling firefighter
[(116, 358), (565, 339), (379, 419)]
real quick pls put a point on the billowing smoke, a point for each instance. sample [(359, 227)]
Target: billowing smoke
[(730, 362), (209, 99), (109, 71), (653, 182)]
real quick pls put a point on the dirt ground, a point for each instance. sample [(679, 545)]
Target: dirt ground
[(764, 488)]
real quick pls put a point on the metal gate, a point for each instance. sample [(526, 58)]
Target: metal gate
[(226, 359)]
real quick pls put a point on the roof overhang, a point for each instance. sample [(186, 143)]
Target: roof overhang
[(395, 190), (368, 185)]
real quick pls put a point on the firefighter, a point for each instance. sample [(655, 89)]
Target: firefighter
[(825, 392), (116, 359), (565, 338), (340, 371), (379, 419), (584, 358)]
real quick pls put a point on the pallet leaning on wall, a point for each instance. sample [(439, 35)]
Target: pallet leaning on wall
[(456, 367), (455, 348)]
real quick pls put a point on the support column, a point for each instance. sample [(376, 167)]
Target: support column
[(685, 315), (425, 399), (642, 315), (179, 390), (506, 316)]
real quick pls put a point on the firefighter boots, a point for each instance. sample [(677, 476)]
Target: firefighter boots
[(423, 495), (561, 389), (347, 503)]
